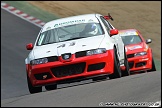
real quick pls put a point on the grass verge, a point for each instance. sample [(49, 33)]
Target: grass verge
[(32, 10)]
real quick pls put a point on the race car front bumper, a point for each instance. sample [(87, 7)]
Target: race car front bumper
[(87, 66), (140, 63)]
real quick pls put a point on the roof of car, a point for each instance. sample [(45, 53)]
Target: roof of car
[(70, 20)]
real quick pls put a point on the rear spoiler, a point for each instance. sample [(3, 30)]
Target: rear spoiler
[(108, 17)]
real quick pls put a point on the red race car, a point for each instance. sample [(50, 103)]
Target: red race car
[(139, 54)]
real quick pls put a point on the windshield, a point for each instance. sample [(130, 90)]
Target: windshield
[(70, 32), (131, 39)]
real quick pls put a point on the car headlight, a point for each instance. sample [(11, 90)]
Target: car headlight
[(140, 54), (39, 61), (96, 51)]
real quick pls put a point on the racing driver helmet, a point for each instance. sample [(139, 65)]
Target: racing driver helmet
[(91, 29)]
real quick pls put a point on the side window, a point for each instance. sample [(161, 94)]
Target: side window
[(105, 23), (110, 25)]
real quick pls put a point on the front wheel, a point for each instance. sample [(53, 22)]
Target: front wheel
[(51, 87), (153, 66), (117, 71), (33, 89), (126, 72)]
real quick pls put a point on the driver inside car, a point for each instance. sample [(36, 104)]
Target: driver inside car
[(89, 30)]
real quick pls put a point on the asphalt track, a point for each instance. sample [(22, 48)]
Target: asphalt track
[(16, 33)]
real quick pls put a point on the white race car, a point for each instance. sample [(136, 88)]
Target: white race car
[(73, 48)]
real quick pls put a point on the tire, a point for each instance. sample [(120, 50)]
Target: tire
[(125, 72), (51, 87), (153, 66), (117, 71), (33, 89)]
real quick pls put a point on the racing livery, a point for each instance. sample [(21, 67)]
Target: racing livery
[(138, 52), (72, 48)]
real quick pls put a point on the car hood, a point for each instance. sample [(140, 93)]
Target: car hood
[(135, 48), (72, 46)]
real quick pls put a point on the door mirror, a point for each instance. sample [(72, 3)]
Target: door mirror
[(113, 32), (29, 46), (148, 41)]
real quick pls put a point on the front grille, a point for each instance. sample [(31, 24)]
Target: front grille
[(131, 64), (68, 70), (140, 64), (96, 66), (52, 59), (40, 76), (80, 54), (130, 55)]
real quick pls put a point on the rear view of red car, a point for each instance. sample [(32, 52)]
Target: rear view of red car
[(139, 54)]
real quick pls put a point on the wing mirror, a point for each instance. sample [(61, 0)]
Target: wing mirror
[(113, 32), (29, 46), (148, 41)]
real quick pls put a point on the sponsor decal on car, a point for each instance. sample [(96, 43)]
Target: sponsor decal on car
[(134, 47), (91, 20), (48, 28), (128, 33), (69, 23)]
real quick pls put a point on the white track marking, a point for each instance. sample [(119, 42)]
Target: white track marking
[(23, 16)]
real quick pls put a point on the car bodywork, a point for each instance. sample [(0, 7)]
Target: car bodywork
[(70, 56), (138, 52)]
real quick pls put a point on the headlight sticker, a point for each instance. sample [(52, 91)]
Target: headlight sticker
[(39, 61)]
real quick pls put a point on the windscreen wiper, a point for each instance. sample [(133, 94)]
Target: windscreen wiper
[(74, 38), (48, 43)]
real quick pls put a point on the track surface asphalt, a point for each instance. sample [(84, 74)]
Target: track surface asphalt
[(16, 33)]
